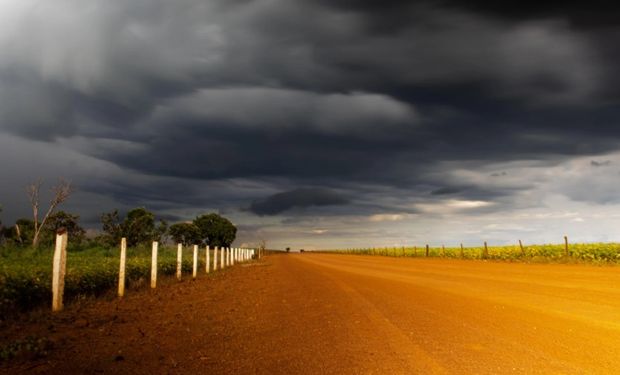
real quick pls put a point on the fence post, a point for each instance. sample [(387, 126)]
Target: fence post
[(521, 247), (154, 266), (426, 249), (485, 252), (462, 251), (565, 246), (207, 260), (58, 270), (121, 270), (195, 267), (232, 257), (222, 258), (215, 258), (179, 260)]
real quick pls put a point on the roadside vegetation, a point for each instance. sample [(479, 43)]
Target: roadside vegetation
[(596, 253), (27, 246), (26, 274)]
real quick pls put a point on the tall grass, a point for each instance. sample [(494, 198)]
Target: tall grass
[(25, 274)]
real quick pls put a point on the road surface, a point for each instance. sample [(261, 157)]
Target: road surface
[(345, 314)]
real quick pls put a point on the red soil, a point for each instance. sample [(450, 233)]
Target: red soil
[(336, 314)]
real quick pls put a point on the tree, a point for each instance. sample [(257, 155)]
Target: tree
[(112, 227), (69, 222), (262, 246), (23, 231), (215, 230), (185, 233), (161, 232), (60, 193), (138, 227)]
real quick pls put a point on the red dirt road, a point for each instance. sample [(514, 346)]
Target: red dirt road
[(338, 314)]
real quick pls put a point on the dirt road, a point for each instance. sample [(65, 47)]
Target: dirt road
[(338, 314)]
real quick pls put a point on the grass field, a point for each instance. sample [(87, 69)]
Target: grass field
[(25, 274), (597, 253)]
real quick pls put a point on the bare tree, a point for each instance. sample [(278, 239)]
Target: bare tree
[(262, 246), (60, 193)]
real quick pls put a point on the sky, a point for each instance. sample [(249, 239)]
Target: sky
[(320, 124)]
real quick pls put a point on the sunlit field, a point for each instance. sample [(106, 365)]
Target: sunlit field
[(26, 274), (598, 253)]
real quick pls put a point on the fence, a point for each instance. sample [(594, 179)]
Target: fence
[(590, 252), (227, 258)]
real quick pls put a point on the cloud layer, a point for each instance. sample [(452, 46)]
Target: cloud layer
[(313, 121)]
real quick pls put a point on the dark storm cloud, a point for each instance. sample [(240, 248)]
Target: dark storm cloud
[(351, 95), (298, 198), (446, 191), (595, 14)]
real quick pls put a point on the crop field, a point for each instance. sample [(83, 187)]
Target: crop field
[(26, 274), (596, 253)]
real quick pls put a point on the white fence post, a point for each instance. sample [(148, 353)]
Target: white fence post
[(195, 269), (121, 270), (234, 254), (154, 266), (179, 260), (58, 271), (222, 258), (207, 259), (215, 258)]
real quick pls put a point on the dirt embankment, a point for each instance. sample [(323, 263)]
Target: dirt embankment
[(335, 314)]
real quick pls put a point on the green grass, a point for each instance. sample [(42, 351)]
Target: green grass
[(25, 274), (598, 253)]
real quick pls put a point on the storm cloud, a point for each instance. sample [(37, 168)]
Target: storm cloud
[(308, 197), (310, 120)]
